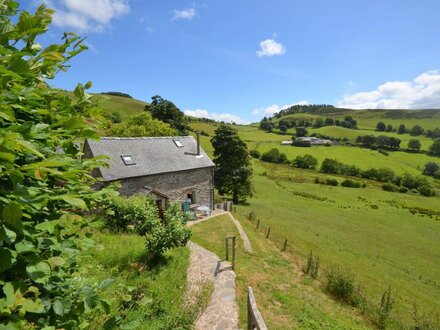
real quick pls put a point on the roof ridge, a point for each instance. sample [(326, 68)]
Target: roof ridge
[(145, 137)]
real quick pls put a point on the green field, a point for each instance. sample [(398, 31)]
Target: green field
[(373, 233), (125, 106)]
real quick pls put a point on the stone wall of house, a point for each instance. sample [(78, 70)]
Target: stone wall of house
[(176, 185)]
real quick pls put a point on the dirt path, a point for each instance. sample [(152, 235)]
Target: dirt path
[(222, 311), (246, 243)]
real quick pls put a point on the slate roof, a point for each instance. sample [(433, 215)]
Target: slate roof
[(152, 155)]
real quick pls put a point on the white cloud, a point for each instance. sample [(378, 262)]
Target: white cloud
[(421, 93), (187, 14), (226, 117), (271, 109), (270, 47), (86, 15)]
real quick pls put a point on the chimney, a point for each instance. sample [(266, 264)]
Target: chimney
[(198, 143)]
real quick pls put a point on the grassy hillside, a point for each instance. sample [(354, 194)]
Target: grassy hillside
[(383, 238), (127, 107)]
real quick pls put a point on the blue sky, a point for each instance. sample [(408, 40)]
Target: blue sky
[(241, 60)]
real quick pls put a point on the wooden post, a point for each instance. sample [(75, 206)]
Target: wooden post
[(268, 233), (227, 245), (285, 245), (258, 224), (233, 253)]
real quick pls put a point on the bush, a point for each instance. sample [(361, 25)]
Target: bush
[(300, 143), (403, 190), (255, 154), (141, 213), (317, 180), (431, 168), (410, 181), (307, 161), (301, 131), (274, 156), (390, 187), (171, 232), (138, 212), (351, 184), (426, 190), (385, 308), (330, 166), (312, 266), (331, 182), (341, 286)]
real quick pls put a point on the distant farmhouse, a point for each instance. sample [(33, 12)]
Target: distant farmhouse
[(169, 169)]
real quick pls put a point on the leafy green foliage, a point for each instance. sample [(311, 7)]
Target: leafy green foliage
[(341, 286), (306, 161), (141, 214), (312, 266), (414, 144), (274, 156), (434, 149), (233, 170), (43, 192), (141, 125), (167, 112), (255, 154)]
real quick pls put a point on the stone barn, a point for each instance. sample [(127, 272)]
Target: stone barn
[(169, 169)]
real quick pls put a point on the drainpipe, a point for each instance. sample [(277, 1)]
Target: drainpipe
[(198, 143)]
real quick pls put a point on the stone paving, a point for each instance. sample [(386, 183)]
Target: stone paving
[(222, 311)]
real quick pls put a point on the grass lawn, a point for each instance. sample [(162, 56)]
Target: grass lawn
[(369, 231), (285, 298), (145, 296)]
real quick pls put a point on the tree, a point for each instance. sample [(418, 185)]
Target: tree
[(307, 161), (142, 125), (389, 128), (401, 129), (381, 126), (329, 121), (366, 140), (43, 193), (416, 130), (331, 166), (434, 149), (233, 170), (301, 131), (273, 156), (266, 125), (431, 168), (283, 128), (414, 144), (167, 112), (319, 122)]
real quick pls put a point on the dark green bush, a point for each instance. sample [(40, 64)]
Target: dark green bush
[(351, 184), (255, 154), (390, 187), (383, 152), (300, 143), (331, 182), (426, 190), (274, 156), (403, 190), (306, 161), (341, 286)]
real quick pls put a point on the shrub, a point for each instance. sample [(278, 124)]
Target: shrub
[(426, 190), (255, 154), (139, 212), (431, 168), (331, 182), (307, 161), (341, 286), (312, 266), (330, 166), (301, 131), (410, 181), (385, 308), (351, 184), (390, 187), (317, 180), (273, 156), (171, 232), (300, 143), (403, 190), (434, 149)]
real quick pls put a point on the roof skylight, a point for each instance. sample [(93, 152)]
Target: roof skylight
[(178, 143), (128, 160)]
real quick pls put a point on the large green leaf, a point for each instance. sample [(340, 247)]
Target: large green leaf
[(6, 259), (32, 306), (48, 226), (61, 307), (24, 246), (74, 201), (39, 272), (12, 214)]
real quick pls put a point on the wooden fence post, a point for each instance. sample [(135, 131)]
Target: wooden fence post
[(233, 253), (227, 248), (258, 224), (268, 233), (285, 245)]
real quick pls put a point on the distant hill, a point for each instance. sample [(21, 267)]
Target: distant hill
[(127, 107), (427, 118)]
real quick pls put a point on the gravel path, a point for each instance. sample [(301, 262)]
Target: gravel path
[(222, 311)]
